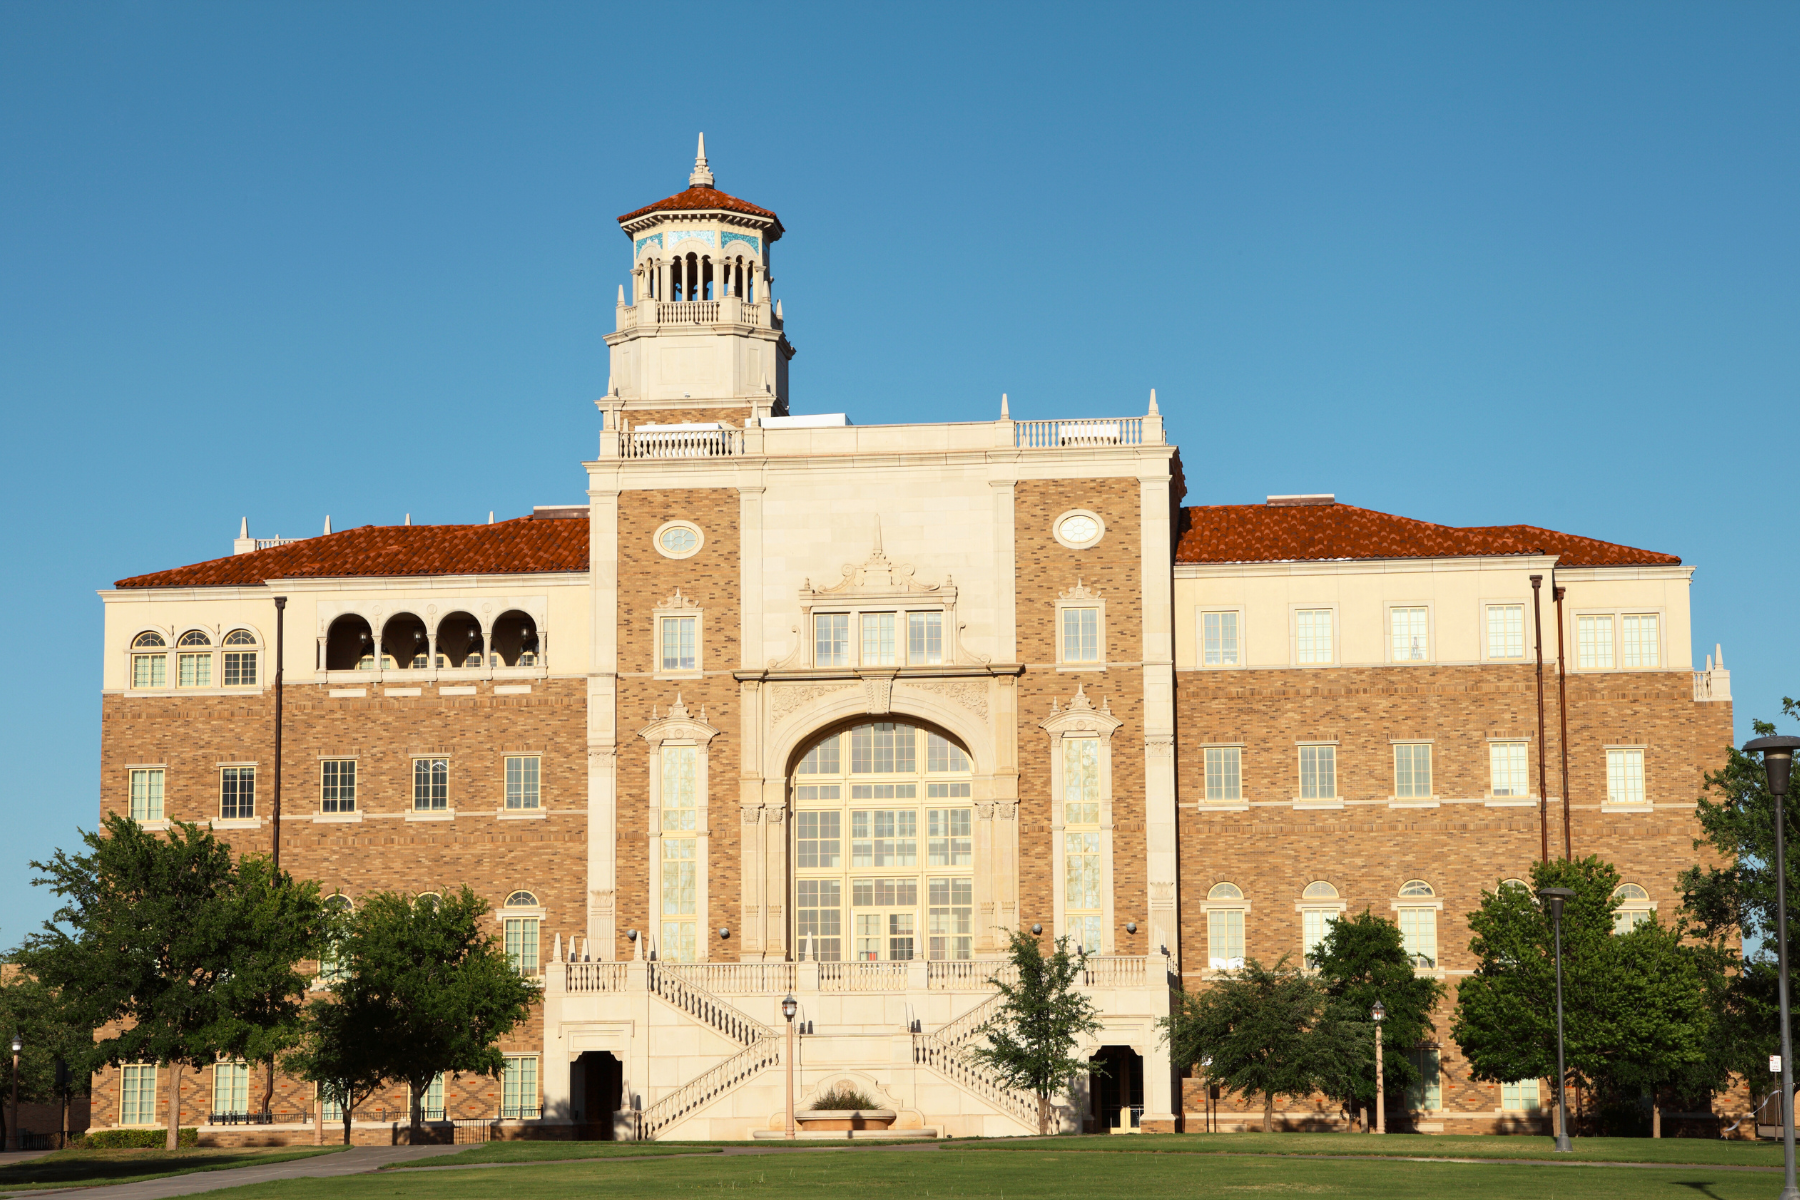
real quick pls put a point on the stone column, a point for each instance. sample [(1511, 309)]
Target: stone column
[(602, 723)]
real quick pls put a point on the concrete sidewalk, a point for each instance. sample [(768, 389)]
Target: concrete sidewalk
[(355, 1161)]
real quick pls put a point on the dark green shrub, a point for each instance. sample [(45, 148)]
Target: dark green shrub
[(133, 1139)]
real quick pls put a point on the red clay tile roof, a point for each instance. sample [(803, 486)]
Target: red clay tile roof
[(518, 547), (1283, 533), (697, 198)]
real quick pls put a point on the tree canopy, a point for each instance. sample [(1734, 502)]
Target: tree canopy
[(1038, 1023), (1362, 960)]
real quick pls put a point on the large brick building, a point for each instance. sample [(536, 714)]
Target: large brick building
[(794, 705)]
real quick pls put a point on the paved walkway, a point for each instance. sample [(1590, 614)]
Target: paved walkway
[(354, 1161)]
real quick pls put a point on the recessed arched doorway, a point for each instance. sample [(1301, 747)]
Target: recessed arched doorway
[(597, 1085), (1117, 1097)]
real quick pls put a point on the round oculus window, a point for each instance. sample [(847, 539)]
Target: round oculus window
[(678, 539), (1078, 530)]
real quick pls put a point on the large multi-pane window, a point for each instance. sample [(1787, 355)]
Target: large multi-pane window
[(1594, 643), (240, 663), (1506, 769), (1641, 641), (1316, 918), (1224, 773), (193, 662), (1318, 772), (1426, 1092), (1081, 841), (237, 793), (1312, 635), (884, 845), (1506, 631), (520, 933), (831, 640), (1224, 928), (1520, 1096), (924, 638), (137, 1094), (1080, 635), (1412, 771), (522, 781), (1407, 627), (1633, 907), (878, 648), (431, 784), (331, 1105), (680, 800), (1418, 925), (1625, 776), (149, 670), (337, 785), (231, 1088), (431, 1104), (678, 652), (1219, 639), (147, 794), (519, 1088)]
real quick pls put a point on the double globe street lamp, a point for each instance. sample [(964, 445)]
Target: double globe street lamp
[(1778, 763)]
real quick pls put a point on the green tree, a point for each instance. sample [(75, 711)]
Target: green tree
[(1264, 1031), (425, 988), (1665, 1030), (1038, 1023), (182, 953), (30, 1010), (340, 1051), (1363, 959)]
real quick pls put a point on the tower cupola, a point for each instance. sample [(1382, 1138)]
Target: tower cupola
[(699, 337)]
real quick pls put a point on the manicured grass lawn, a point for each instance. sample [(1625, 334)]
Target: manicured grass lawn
[(547, 1152), (1029, 1174), (77, 1168), (1646, 1150)]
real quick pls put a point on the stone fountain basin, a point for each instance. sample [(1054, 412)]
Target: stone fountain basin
[(845, 1118)]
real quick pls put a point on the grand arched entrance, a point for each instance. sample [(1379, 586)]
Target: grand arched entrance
[(883, 847)]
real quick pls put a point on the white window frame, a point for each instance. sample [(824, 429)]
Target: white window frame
[(133, 652), (1294, 611), (415, 813), (677, 607), (254, 649), (355, 808), (656, 539), (518, 1111), (852, 627), (868, 620), (1056, 529), (1206, 797), (1200, 615), (220, 820), (1617, 616), (1513, 1096), (1435, 904), (537, 783), (1226, 906), (533, 913), (207, 653), (1327, 908), (161, 819), (1396, 799), (228, 1076), (1336, 799), (1525, 630), (1079, 597), (1642, 752), (906, 618), (148, 1115), (1632, 909), (1524, 797), (1430, 647), (1081, 719), (680, 728)]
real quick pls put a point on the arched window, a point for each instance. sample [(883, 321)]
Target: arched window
[(1317, 912), (515, 641), (883, 820), (1225, 927), (1319, 890), (1416, 887), (349, 645), (1632, 907), (1518, 884), (193, 660), (149, 670), (522, 934), (240, 659), (432, 899), (459, 642), (1418, 923), (521, 900), (1225, 891), (403, 643)]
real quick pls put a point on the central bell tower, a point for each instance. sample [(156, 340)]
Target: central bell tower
[(699, 338)]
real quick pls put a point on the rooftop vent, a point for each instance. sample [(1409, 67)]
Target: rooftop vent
[(558, 512), (1295, 501)]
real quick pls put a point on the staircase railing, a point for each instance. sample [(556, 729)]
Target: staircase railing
[(703, 1006), (702, 1090), (947, 1052)]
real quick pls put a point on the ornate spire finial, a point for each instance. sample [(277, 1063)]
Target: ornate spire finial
[(1004, 414), (1154, 411), (702, 177)]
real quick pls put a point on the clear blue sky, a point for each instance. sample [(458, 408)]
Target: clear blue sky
[(1473, 264)]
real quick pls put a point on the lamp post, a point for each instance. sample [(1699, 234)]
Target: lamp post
[(1556, 896), (12, 1130), (1378, 1014), (1778, 764), (788, 1008), (1205, 1075)]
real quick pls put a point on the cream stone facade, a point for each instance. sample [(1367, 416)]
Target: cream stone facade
[(793, 706)]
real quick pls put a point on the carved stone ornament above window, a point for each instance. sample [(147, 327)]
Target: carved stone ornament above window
[(1079, 592), (1080, 717), (678, 726), (878, 580)]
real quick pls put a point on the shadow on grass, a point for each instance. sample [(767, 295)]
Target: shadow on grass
[(65, 1167)]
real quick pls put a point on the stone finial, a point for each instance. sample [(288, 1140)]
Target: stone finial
[(1154, 411), (327, 522), (1004, 413), (702, 176), (243, 527), (556, 954), (621, 293)]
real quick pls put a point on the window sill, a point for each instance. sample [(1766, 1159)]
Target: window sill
[(432, 814), (512, 689), (158, 824), (1222, 806), (1628, 808), (403, 691), (1305, 804), (467, 689), (1510, 801), (338, 818), (522, 814), (679, 675), (236, 823), (347, 693), (1397, 802)]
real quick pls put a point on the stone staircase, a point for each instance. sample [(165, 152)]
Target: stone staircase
[(947, 1053), (762, 1049)]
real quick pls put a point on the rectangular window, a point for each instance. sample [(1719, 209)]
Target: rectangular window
[(1224, 773), (1315, 923), (1408, 629), (1506, 631), (820, 791), (831, 640), (1506, 769), (878, 640), (952, 918), (1080, 635), (1628, 920), (1081, 781), (1418, 935), (331, 1106), (884, 838), (231, 1087), (1426, 1094), (1641, 642), (1084, 931), (337, 785), (1219, 639), (431, 1104), (519, 1088), (888, 935), (237, 793), (522, 781), (1412, 771), (522, 944), (820, 838), (147, 795), (823, 759), (1081, 888), (240, 668), (1312, 635), (883, 791), (1318, 772), (942, 754), (820, 914), (193, 670), (924, 638), (1625, 777), (1594, 643), (431, 784), (149, 670), (883, 748), (900, 936), (678, 644), (137, 1094), (950, 837), (1225, 939), (1520, 1096), (947, 791)]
